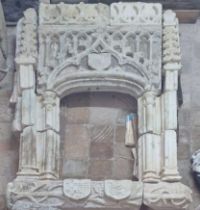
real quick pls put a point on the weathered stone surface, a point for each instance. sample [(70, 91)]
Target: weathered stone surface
[(77, 142), (100, 169), (101, 133), (75, 169), (120, 133), (139, 43), (99, 150), (123, 168)]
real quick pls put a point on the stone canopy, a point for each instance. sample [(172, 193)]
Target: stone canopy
[(125, 48)]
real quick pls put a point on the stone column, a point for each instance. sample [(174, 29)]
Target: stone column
[(51, 137), (24, 96), (149, 145), (27, 162), (171, 68)]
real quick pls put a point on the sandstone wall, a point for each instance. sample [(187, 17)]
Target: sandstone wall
[(189, 113)]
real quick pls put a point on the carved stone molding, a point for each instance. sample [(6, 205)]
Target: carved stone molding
[(70, 193), (167, 196), (125, 48)]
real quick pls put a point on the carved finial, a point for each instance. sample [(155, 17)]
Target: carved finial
[(169, 18), (30, 15)]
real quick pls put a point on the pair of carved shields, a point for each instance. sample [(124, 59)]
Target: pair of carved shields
[(77, 189)]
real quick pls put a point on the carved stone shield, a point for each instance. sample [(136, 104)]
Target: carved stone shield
[(77, 189), (118, 189), (99, 61)]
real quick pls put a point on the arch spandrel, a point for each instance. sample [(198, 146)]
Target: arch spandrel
[(132, 51)]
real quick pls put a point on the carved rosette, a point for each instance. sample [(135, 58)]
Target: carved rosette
[(124, 47)]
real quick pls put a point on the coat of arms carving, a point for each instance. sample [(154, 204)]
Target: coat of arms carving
[(118, 189), (77, 189)]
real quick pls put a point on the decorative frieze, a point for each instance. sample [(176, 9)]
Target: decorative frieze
[(167, 196), (72, 192), (137, 14), (74, 14)]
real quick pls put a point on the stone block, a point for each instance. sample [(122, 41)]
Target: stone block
[(103, 116), (195, 103), (77, 115), (126, 102), (3, 202), (5, 110), (120, 133), (171, 80), (195, 143), (3, 185), (76, 100), (183, 152), (76, 142), (122, 151), (75, 169), (123, 169), (101, 133), (195, 117), (102, 99), (5, 132), (100, 169), (184, 167), (170, 110), (184, 135), (8, 164), (186, 100), (99, 150), (184, 117)]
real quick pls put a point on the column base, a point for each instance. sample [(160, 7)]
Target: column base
[(151, 177), (48, 175), (171, 176), (28, 173)]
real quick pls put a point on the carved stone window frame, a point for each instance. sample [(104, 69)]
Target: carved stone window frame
[(60, 53)]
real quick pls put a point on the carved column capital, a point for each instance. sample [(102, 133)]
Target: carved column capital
[(49, 99)]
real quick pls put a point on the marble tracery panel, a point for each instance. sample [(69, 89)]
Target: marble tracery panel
[(125, 48)]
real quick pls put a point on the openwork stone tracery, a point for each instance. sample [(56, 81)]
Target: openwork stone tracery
[(126, 48)]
